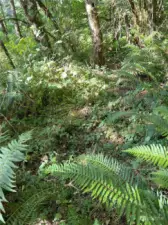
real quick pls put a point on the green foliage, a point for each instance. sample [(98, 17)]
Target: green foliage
[(77, 111), (150, 60), (104, 179), (161, 178), (23, 47), (155, 154), (34, 197), (160, 120), (9, 155)]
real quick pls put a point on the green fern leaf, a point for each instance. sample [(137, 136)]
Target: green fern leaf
[(108, 188), (26, 212), (111, 165), (8, 157), (155, 154), (161, 178)]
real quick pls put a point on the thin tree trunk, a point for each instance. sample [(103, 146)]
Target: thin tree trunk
[(117, 25), (33, 15), (51, 17), (134, 11), (27, 24), (7, 54), (3, 27), (48, 14), (127, 27), (95, 31), (2, 11), (158, 12), (2, 22), (17, 27), (150, 16)]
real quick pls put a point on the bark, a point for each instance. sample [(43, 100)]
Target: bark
[(150, 16), (117, 25), (127, 27), (134, 11), (17, 27), (31, 11), (7, 54), (48, 13), (3, 27), (2, 11), (158, 12), (19, 20), (97, 38), (145, 5), (154, 3), (51, 17)]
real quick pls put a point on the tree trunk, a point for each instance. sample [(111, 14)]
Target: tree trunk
[(2, 12), (48, 14), (4, 29), (7, 54), (33, 15), (2, 22), (158, 12), (95, 31), (127, 27), (150, 16), (134, 11), (17, 27), (51, 17)]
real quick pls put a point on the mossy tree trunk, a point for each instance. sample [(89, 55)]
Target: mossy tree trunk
[(31, 11), (95, 31)]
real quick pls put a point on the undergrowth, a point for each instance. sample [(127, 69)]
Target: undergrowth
[(73, 110)]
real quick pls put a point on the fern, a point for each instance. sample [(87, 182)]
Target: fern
[(9, 155), (148, 60), (4, 137), (100, 184), (162, 111), (160, 120), (161, 178), (103, 179), (161, 124), (35, 196), (113, 117), (155, 154), (111, 165)]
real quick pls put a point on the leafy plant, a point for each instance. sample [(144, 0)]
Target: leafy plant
[(34, 197), (9, 155), (114, 185)]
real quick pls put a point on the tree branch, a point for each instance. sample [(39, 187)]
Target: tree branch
[(16, 19)]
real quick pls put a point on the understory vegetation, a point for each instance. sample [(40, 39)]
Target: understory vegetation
[(83, 112)]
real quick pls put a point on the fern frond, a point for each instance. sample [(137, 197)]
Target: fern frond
[(111, 166), (9, 155), (26, 212), (161, 124), (4, 137), (113, 117), (162, 111), (109, 189), (155, 154), (161, 178)]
